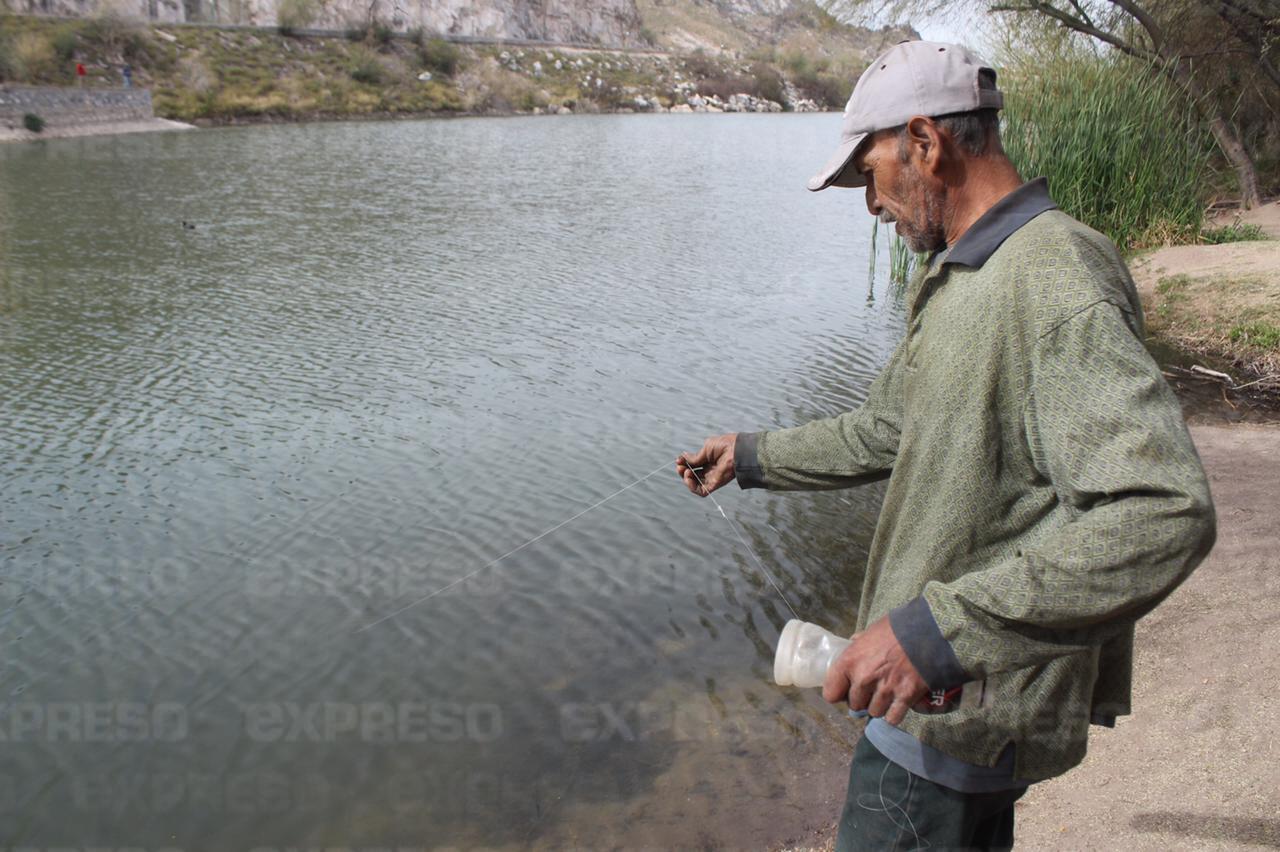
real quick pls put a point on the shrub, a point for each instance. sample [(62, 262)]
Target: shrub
[(828, 90), (701, 66), (1236, 232), (440, 56), (499, 90), (32, 56), (381, 33), (768, 83), (365, 67), (293, 15), (119, 38), (1123, 151), (65, 42), (33, 122)]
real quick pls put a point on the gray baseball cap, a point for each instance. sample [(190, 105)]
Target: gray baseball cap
[(912, 78)]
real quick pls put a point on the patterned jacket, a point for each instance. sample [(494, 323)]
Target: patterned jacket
[(1043, 491)]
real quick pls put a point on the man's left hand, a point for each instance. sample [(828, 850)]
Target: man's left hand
[(874, 674)]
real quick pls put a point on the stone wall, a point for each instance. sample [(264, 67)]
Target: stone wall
[(73, 107)]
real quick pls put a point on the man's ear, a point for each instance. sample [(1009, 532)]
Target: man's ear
[(925, 144)]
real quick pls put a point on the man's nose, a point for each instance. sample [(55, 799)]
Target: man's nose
[(873, 202)]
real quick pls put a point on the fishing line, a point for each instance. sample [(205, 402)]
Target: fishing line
[(539, 536), (749, 548), (732, 525)]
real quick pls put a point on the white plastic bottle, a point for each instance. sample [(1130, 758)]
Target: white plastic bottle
[(805, 651)]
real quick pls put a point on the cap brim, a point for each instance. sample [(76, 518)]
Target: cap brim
[(835, 172)]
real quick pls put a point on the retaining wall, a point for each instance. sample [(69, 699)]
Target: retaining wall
[(73, 107)]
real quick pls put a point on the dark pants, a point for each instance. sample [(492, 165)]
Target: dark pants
[(888, 808)]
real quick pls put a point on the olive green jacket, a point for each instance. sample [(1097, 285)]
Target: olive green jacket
[(1043, 491)]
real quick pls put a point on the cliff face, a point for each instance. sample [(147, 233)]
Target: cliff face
[(612, 22), (605, 22), (715, 26)]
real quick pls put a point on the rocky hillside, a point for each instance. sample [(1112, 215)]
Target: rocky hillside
[(712, 25), (727, 55)]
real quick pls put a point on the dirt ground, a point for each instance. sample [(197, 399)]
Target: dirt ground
[(1197, 765)]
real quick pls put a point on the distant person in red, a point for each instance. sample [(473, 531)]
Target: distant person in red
[(80, 73)]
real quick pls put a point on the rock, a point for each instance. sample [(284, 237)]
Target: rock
[(559, 65), (563, 110), (681, 108), (537, 68), (425, 77), (642, 104), (714, 109), (166, 36)]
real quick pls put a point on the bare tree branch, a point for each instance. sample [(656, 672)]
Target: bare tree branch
[(1083, 15), (1143, 17), (1071, 22)]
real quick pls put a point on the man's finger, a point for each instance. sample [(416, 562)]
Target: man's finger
[(897, 712), (835, 688), (880, 703), (860, 696)]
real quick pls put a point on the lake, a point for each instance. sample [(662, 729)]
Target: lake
[(248, 462)]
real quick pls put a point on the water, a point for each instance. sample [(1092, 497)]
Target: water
[(387, 354)]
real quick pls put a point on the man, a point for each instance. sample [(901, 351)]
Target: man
[(1043, 493)]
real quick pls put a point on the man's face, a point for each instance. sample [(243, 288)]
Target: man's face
[(897, 192)]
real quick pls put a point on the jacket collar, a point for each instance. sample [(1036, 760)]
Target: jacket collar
[(995, 226)]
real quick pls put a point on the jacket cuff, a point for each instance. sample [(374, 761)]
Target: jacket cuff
[(917, 632), (746, 461)]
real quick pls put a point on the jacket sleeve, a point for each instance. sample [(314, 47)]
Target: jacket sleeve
[(839, 452), (1107, 434)]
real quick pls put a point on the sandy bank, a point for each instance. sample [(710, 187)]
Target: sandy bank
[(106, 128), (1196, 765)]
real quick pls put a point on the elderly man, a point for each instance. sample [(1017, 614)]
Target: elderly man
[(1043, 493)]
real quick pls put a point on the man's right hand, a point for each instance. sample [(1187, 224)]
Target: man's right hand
[(716, 462)]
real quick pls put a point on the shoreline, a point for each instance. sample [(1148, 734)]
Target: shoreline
[(117, 128), (104, 128)]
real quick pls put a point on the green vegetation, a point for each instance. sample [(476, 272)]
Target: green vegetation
[(1122, 150), (902, 260), (1236, 232), (33, 122), (293, 15), (1233, 318), (815, 78), (209, 74), (365, 66), (437, 55), (1257, 335)]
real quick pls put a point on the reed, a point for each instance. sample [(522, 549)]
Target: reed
[(1121, 147)]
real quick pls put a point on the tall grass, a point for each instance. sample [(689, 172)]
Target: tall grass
[(902, 261), (1121, 147)]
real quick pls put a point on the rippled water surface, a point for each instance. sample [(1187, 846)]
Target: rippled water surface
[(386, 355)]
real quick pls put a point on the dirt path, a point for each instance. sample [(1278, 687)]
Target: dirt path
[(1197, 765)]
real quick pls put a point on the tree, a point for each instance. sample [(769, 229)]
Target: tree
[(1167, 34)]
